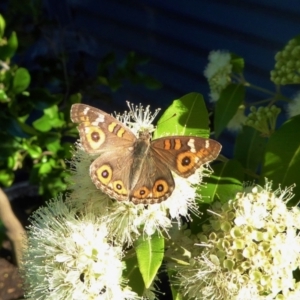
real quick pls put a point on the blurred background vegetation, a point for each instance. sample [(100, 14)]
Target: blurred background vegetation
[(36, 131)]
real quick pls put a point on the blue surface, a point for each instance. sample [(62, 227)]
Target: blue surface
[(177, 36)]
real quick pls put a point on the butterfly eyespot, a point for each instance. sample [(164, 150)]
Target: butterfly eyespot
[(160, 188), (119, 187), (141, 193), (185, 162), (104, 174), (95, 137)]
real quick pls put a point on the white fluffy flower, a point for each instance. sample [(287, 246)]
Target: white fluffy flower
[(293, 108), (142, 118), (250, 249), (68, 256), (218, 72)]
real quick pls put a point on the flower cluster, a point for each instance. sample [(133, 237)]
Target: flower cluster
[(249, 250), (287, 67), (263, 119), (218, 73), (70, 257)]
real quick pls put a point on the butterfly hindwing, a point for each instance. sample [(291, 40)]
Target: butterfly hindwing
[(110, 173), (155, 184)]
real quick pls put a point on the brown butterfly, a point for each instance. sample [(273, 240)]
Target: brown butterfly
[(133, 168)]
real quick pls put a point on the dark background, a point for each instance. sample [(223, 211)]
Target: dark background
[(176, 36)]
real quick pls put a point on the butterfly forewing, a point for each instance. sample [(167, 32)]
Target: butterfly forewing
[(100, 131), (185, 154)]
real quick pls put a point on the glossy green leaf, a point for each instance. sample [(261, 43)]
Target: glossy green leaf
[(250, 148), (282, 157), (2, 26), (224, 183), (133, 274), (21, 80), (8, 51), (226, 107), (186, 116), (150, 253)]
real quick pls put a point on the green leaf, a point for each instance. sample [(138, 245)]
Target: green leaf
[(230, 100), (21, 80), (2, 26), (45, 168), (150, 253), (282, 157), (8, 51), (250, 148), (53, 143), (34, 151), (133, 274), (175, 294), (224, 183), (186, 116), (3, 97), (65, 150), (75, 98), (237, 63), (42, 124), (50, 119), (6, 177), (148, 81), (25, 127), (51, 111)]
